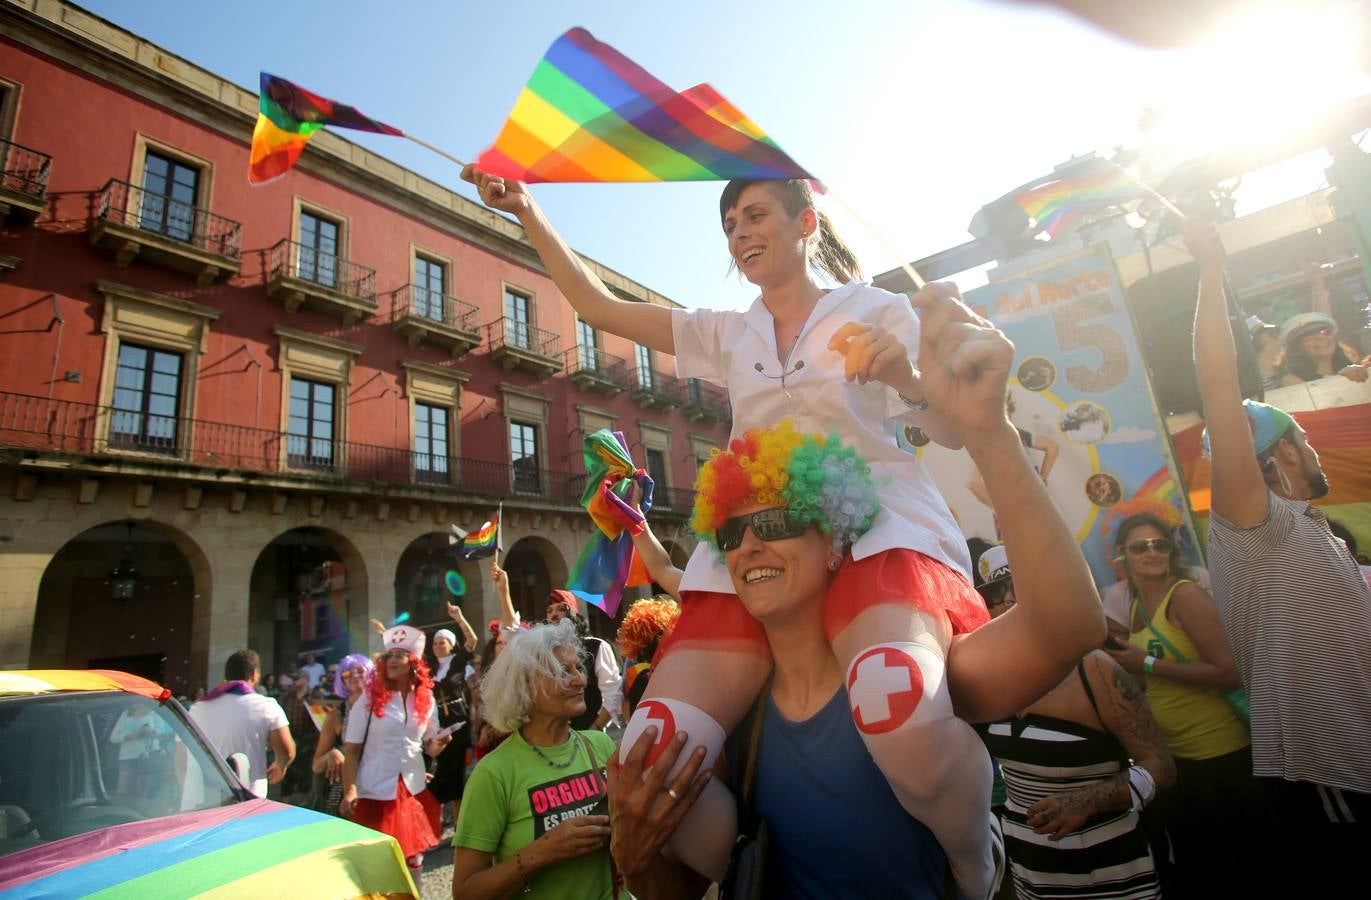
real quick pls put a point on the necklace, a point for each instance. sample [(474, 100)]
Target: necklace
[(541, 755)]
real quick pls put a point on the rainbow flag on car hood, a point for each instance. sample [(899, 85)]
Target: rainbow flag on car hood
[(257, 848)]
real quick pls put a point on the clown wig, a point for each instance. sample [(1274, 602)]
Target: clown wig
[(379, 689), (821, 482), (646, 623), (350, 662)]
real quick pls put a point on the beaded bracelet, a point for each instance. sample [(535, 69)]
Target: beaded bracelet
[(523, 876)]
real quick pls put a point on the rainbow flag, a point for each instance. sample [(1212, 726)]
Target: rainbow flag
[(589, 113), (608, 562), (256, 848), (482, 542), (287, 117), (1061, 204)]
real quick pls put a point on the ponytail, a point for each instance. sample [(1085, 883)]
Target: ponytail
[(827, 252)]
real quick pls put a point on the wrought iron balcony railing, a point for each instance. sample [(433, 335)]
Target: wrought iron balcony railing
[(423, 303), (41, 425), (593, 363), (125, 204), (650, 385), (505, 332), (704, 400), (24, 171), (292, 259)]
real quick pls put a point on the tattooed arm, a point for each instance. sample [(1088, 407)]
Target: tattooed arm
[(1123, 712)]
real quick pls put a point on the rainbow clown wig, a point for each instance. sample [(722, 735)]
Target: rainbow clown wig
[(814, 476)]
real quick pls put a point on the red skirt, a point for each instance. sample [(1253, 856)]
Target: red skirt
[(714, 621), (414, 821)]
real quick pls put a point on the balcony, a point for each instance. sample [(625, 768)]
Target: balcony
[(421, 314), (299, 276), (23, 183), (103, 438), (672, 503), (594, 370), (137, 223), (519, 345), (651, 389), (705, 402)]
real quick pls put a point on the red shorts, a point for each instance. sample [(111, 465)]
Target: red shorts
[(715, 621), (414, 821)]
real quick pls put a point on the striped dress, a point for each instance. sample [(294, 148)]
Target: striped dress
[(1109, 856)]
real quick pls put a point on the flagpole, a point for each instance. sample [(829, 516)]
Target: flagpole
[(914, 276), (499, 529), (427, 146)]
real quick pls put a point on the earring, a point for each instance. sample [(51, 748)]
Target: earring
[(833, 564)]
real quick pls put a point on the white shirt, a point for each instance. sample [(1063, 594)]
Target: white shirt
[(240, 723), (1115, 597), (393, 746), (313, 671), (724, 347)]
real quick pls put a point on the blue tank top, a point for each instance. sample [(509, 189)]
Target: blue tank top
[(835, 826)]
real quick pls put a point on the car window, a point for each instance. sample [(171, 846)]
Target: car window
[(75, 763)]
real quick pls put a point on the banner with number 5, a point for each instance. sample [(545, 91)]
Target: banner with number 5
[(1082, 402)]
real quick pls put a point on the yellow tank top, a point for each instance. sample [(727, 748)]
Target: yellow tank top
[(1196, 722)]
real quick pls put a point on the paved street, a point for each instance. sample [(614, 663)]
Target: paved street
[(436, 881)]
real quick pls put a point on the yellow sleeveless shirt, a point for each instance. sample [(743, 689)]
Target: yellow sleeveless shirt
[(1196, 722)]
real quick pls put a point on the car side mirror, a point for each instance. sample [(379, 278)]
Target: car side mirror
[(238, 762)]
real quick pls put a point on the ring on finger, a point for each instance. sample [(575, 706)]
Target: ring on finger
[(673, 794)]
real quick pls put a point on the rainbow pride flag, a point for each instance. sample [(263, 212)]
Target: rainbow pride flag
[(256, 848), (608, 562), (287, 117), (482, 542), (1061, 204), (589, 113)]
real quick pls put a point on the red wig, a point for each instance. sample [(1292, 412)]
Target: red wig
[(379, 689), (646, 623)]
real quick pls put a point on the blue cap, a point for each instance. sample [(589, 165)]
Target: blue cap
[(1268, 424)]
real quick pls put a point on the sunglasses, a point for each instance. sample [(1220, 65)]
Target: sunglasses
[(996, 594), (774, 524), (1138, 548)]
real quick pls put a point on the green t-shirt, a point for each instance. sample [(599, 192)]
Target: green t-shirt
[(514, 796)]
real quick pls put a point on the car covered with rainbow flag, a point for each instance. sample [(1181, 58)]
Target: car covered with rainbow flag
[(108, 790)]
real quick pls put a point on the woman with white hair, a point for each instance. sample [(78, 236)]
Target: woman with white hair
[(536, 818)]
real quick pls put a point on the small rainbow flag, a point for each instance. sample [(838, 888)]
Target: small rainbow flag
[(589, 113), (482, 542), (287, 117), (1062, 203)]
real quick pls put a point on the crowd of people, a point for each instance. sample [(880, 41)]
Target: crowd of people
[(837, 682)]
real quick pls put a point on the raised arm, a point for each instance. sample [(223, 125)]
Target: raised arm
[(1006, 664), (654, 556), (1238, 492), (509, 619), (468, 633), (643, 323)]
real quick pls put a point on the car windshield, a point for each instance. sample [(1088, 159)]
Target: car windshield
[(77, 762)]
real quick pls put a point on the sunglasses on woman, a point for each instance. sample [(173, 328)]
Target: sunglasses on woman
[(774, 524), (1138, 548)]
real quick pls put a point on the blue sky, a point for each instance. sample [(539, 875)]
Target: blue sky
[(915, 111)]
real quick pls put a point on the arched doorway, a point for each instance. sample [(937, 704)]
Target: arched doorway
[(120, 596), (535, 567), (305, 587), (421, 583)]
